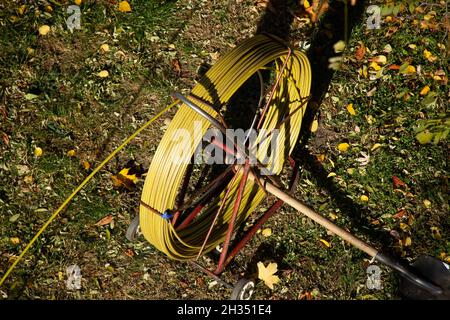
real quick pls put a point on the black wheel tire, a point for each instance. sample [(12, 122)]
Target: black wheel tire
[(133, 229), (243, 290)]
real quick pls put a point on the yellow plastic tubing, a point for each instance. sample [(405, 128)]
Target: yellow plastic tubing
[(178, 144)]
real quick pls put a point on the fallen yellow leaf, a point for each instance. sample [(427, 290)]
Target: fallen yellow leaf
[(15, 240), (28, 179), (332, 216), (436, 233), (427, 203), (425, 91), (343, 147), (124, 6), (370, 119), (30, 51), (267, 274), (124, 172), (375, 146), (320, 157), (331, 174), (404, 226), (326, 243), (429, 56), (331, 162), (43, 30), (374, 66), (103, 74), (71, 153), (428, 17), (86, 165), (364, 198), (124, 178), (339, 46), (314, 125), (350, 109), (21, 9), (363, 71), (423, 138), (13, 19), (267, 232), (306, 4), (104, 48), (407, 242), (409, 70), (77, 2), (37, 151)]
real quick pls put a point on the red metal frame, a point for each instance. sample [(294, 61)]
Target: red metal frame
[(216, 216), (233, 217), (263, 219), (226, 258)]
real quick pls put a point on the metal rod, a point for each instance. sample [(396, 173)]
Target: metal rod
[(274, 89), (233, 218), (227, 193), (207, 190), (210, 118), (211, 274), (283, 121), (200, 111), (266, 216), (199, 100), (248, 235), (190, 217), (324, 222)]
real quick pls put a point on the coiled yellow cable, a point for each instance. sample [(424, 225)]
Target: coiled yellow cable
[(172, 156)]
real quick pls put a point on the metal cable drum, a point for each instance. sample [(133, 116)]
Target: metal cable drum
[(172, 156)]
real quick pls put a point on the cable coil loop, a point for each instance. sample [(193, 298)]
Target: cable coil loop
[(165, 175)]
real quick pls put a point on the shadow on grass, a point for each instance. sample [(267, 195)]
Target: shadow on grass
[(277, 20)]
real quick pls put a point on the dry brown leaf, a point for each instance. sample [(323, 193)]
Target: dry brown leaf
[(400, 214), (394, 67), (104, 221), (130, 253), (5, 139), (397, 183), (176, 66), (360, 52)]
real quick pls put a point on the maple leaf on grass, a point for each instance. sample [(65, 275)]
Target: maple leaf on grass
[(124, 178), (267, 274), (128, 176)]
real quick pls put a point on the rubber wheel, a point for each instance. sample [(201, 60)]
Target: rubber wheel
[(133, 229), (243, 290)]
